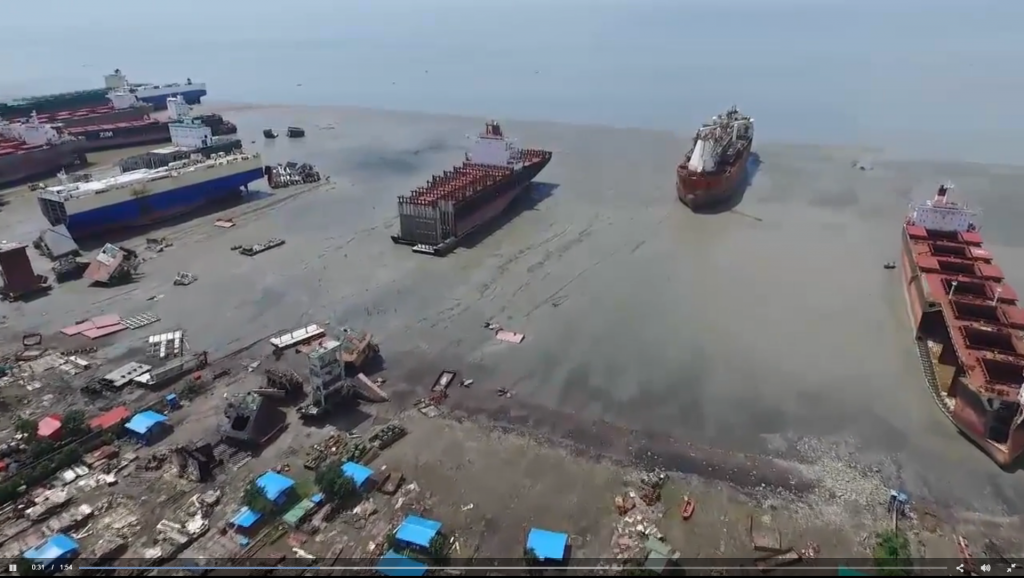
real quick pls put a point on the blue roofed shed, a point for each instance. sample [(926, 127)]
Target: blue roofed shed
[(246, 518), (145, 426), (275, 486), (54, 548), (395, 564), (358, 472), (417, 531), (547, 545)]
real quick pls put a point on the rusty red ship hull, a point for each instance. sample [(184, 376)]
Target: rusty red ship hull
[(97, 115), (967, 324), (19, 162), (702, 190), (122, 135)]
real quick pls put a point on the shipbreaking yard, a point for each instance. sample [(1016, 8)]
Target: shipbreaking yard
[(770, 333)]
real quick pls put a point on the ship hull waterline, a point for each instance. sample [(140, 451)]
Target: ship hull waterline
[(702, 191), (516, 184), (159, 207)]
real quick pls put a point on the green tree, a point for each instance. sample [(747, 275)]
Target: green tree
[(26, 427), (74, 424), (334, 484), (40, 448), (438, 548), (892, 554), (256, 500)]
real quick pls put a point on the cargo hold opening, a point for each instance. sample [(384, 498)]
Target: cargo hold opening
[(979, 311), (971, 288), (943, 235), (994, 340), (1001, 371), (949, 249), (956, 267)]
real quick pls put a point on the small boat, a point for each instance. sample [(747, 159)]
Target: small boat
[(890, 265), (269, 133), (686, 508), (296, 132)]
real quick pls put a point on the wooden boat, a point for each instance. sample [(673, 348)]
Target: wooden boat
[(686, 508)]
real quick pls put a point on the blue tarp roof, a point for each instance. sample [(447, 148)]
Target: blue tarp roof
[(547, 545), (358, 472), (417, 530), (274, 484), (317, 498), (395, 564), (142, 422), (54, 547), (245, 518)]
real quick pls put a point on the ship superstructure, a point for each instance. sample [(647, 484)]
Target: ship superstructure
[(92, 207), (189, 135), (32, 149), (967, 324), (715, 166), (156, 94), (432, 218)]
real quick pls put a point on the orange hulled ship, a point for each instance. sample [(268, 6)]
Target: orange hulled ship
[(716, 166), (967, 324)]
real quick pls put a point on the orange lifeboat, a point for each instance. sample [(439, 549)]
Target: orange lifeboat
[(686, 508)]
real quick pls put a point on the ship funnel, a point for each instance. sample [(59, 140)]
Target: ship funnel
[(942, 193)]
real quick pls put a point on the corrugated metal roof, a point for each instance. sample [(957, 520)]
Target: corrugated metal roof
[(295, 515), (110, 418)]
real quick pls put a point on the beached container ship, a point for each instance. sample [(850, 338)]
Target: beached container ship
[(715, 167), (967, 323), (92, 207), (154, 95), (122, 134), (433, 218), (32, 149), (121, 106)]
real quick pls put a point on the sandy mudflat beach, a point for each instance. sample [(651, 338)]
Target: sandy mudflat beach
[(772, 330)]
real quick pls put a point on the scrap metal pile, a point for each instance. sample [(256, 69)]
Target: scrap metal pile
[(68, 269), (291, 174), (253, 250)]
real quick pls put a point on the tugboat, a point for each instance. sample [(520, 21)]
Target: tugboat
[(269, 133)]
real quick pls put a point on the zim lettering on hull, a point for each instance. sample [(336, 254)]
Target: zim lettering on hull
[(107, 134)]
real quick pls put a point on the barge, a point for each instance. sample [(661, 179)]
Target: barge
[(433, 218), (967, 324)]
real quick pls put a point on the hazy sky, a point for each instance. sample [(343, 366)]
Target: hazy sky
[(931, 77)]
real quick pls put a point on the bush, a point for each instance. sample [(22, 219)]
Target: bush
[(892, 554), (254, 499), (335, 485)]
